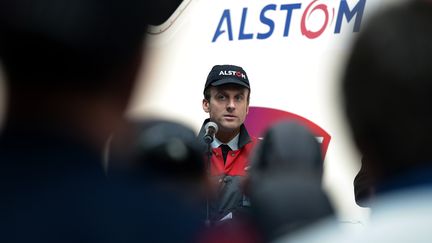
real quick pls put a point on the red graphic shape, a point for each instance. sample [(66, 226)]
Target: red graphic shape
[(259, 119)]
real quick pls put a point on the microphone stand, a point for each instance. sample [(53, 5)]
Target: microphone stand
[(210, 131), (209, 154)]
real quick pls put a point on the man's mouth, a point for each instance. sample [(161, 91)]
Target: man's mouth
[(229, 117)]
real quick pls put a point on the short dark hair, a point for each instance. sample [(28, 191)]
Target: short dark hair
[(49, 42), (387, 87)]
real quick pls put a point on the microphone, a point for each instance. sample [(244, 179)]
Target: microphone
[(211, 129)]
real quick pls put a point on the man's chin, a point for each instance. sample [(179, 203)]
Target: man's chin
[(229, 128)]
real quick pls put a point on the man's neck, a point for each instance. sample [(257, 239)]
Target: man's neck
[(225, 137)]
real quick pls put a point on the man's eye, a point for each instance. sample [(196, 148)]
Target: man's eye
[(220, 97), (239, 98)]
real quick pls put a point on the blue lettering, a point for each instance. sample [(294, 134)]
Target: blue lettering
[(289, 8), (225, 17), (344, 15), (345, 11), (242, 35), (267, 21)]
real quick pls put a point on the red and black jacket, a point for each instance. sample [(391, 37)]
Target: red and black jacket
[(231, 174)]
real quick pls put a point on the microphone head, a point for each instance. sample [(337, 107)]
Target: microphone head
[(211, 124), (211, 129)]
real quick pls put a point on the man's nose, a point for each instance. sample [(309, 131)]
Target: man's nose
[(231, 104)]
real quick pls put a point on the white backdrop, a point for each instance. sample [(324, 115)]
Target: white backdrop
[(293, 73)]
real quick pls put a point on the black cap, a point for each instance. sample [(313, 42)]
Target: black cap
[(227, 74)]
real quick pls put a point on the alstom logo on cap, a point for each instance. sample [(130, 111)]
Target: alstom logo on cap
[(232, 73), (280, 16)]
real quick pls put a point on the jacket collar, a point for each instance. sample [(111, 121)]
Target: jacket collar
[(244, 137)]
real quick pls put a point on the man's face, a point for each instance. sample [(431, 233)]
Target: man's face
[(228, 106)]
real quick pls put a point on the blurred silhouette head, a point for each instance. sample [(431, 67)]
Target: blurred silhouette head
[(387, 89), (287, 147), (77, 43), (70, 65), (285, 180), (159, 148)]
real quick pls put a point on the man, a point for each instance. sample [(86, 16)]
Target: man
[(387, 90), (226, 99), (284, 184), (70, 66)]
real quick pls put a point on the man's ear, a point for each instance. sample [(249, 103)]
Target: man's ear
[(206, 105)]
